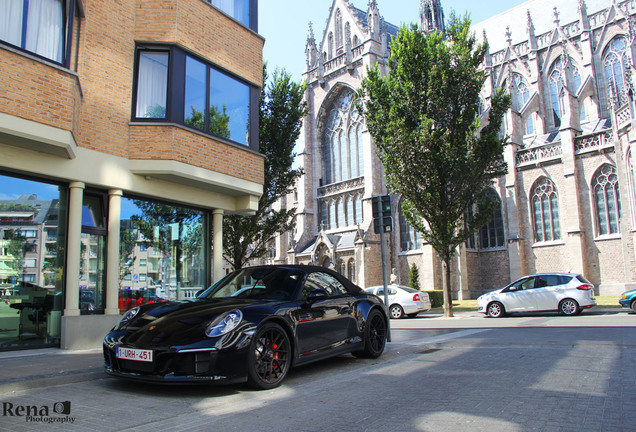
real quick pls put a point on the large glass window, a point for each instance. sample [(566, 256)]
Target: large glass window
[(37, 26), (173, 86), (607, 200), (92, 283), (152, 85), (32, 267), (545, 211), (162, 252), (557, 88), (237, 9), (410, 239), (342, 140), (491, 235), (615, 64)]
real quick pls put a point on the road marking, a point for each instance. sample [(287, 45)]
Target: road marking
[(447, 336)]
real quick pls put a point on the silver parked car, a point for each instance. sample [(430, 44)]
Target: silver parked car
[(403, 300), (567, 293)]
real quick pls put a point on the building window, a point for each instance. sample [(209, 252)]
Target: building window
[(152, 85), (358, 205), (351, 270), (342, 140), (240, 10), (614, 64), (521, 93), (545, 211), (606, 200), (557, 88), (409, 237), (176, 262), (175, 87), (491, 235), (38, 26), (350, 212)]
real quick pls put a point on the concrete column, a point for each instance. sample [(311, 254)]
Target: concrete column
[(112, 254), (74, 248), (217, 230)]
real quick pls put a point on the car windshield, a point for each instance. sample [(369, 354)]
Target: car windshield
[(256, 283)]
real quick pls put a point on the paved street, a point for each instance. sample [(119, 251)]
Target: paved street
[(469, 373)]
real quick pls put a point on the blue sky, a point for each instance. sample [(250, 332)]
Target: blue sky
[(285, 23)]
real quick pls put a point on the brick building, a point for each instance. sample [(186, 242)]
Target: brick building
[(568, 200), (143, 110)]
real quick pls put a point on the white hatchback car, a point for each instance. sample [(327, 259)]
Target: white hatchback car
[(403, 300), (567, 293)]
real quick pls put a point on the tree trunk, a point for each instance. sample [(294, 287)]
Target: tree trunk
[(448, 299)]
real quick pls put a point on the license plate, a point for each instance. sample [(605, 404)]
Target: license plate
[(134, 354)]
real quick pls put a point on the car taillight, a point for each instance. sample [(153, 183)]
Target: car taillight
[(416, 297), (585, 287)]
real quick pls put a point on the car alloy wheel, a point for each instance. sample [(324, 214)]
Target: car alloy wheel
[(569, 307), (269, 357), (634, 306), (374, 336), (495, 310), (396, 312)]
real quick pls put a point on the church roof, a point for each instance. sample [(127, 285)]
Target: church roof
[(542, 15)]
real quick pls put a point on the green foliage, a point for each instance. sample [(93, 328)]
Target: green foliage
[(425, 121), (219, 121), (156, 222), (156, 111), (16, 248), (281, 112), (436, 297), (414, 277)]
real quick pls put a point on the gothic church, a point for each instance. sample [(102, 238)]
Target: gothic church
[(568, 202)]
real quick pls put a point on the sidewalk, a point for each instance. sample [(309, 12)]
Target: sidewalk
[(38, 368)]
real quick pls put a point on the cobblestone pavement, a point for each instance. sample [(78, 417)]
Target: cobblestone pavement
[(544, 373)]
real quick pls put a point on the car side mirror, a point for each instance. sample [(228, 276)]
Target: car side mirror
[(316, 295), (512, 289)]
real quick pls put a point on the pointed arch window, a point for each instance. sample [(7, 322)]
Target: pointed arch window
[(332, 215), (409, 238), (545, 210), (342, 140), (614, 65), (606, 200), (351, 270), (340, 218), (557, 92), (491, 235), (350, 212), (358, 206), (631, 184), (339, 38)]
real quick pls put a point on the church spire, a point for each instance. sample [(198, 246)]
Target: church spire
[(431, 16)]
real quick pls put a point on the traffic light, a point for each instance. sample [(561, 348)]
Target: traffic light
[(382, 220)]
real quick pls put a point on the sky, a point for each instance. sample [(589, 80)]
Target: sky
[(285, 23)]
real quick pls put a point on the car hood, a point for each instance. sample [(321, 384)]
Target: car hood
[(175, 323), (490, 293), (629, 293)]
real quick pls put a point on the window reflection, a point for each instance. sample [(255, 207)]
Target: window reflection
[(32, 242), (162, 253)]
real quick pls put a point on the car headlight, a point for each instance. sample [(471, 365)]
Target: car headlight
[(224, 323), (126, 317)]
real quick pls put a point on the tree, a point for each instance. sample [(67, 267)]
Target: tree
[(16, 248), (424, 119), (414, 277), (157, 221), (281, 112)]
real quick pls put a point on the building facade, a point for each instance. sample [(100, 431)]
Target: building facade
[(127, 131), (567, 202)]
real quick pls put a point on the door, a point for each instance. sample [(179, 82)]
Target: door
[(519, 296), (328, 321)]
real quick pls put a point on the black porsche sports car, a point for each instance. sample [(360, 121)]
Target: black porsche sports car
[(252, 325)]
